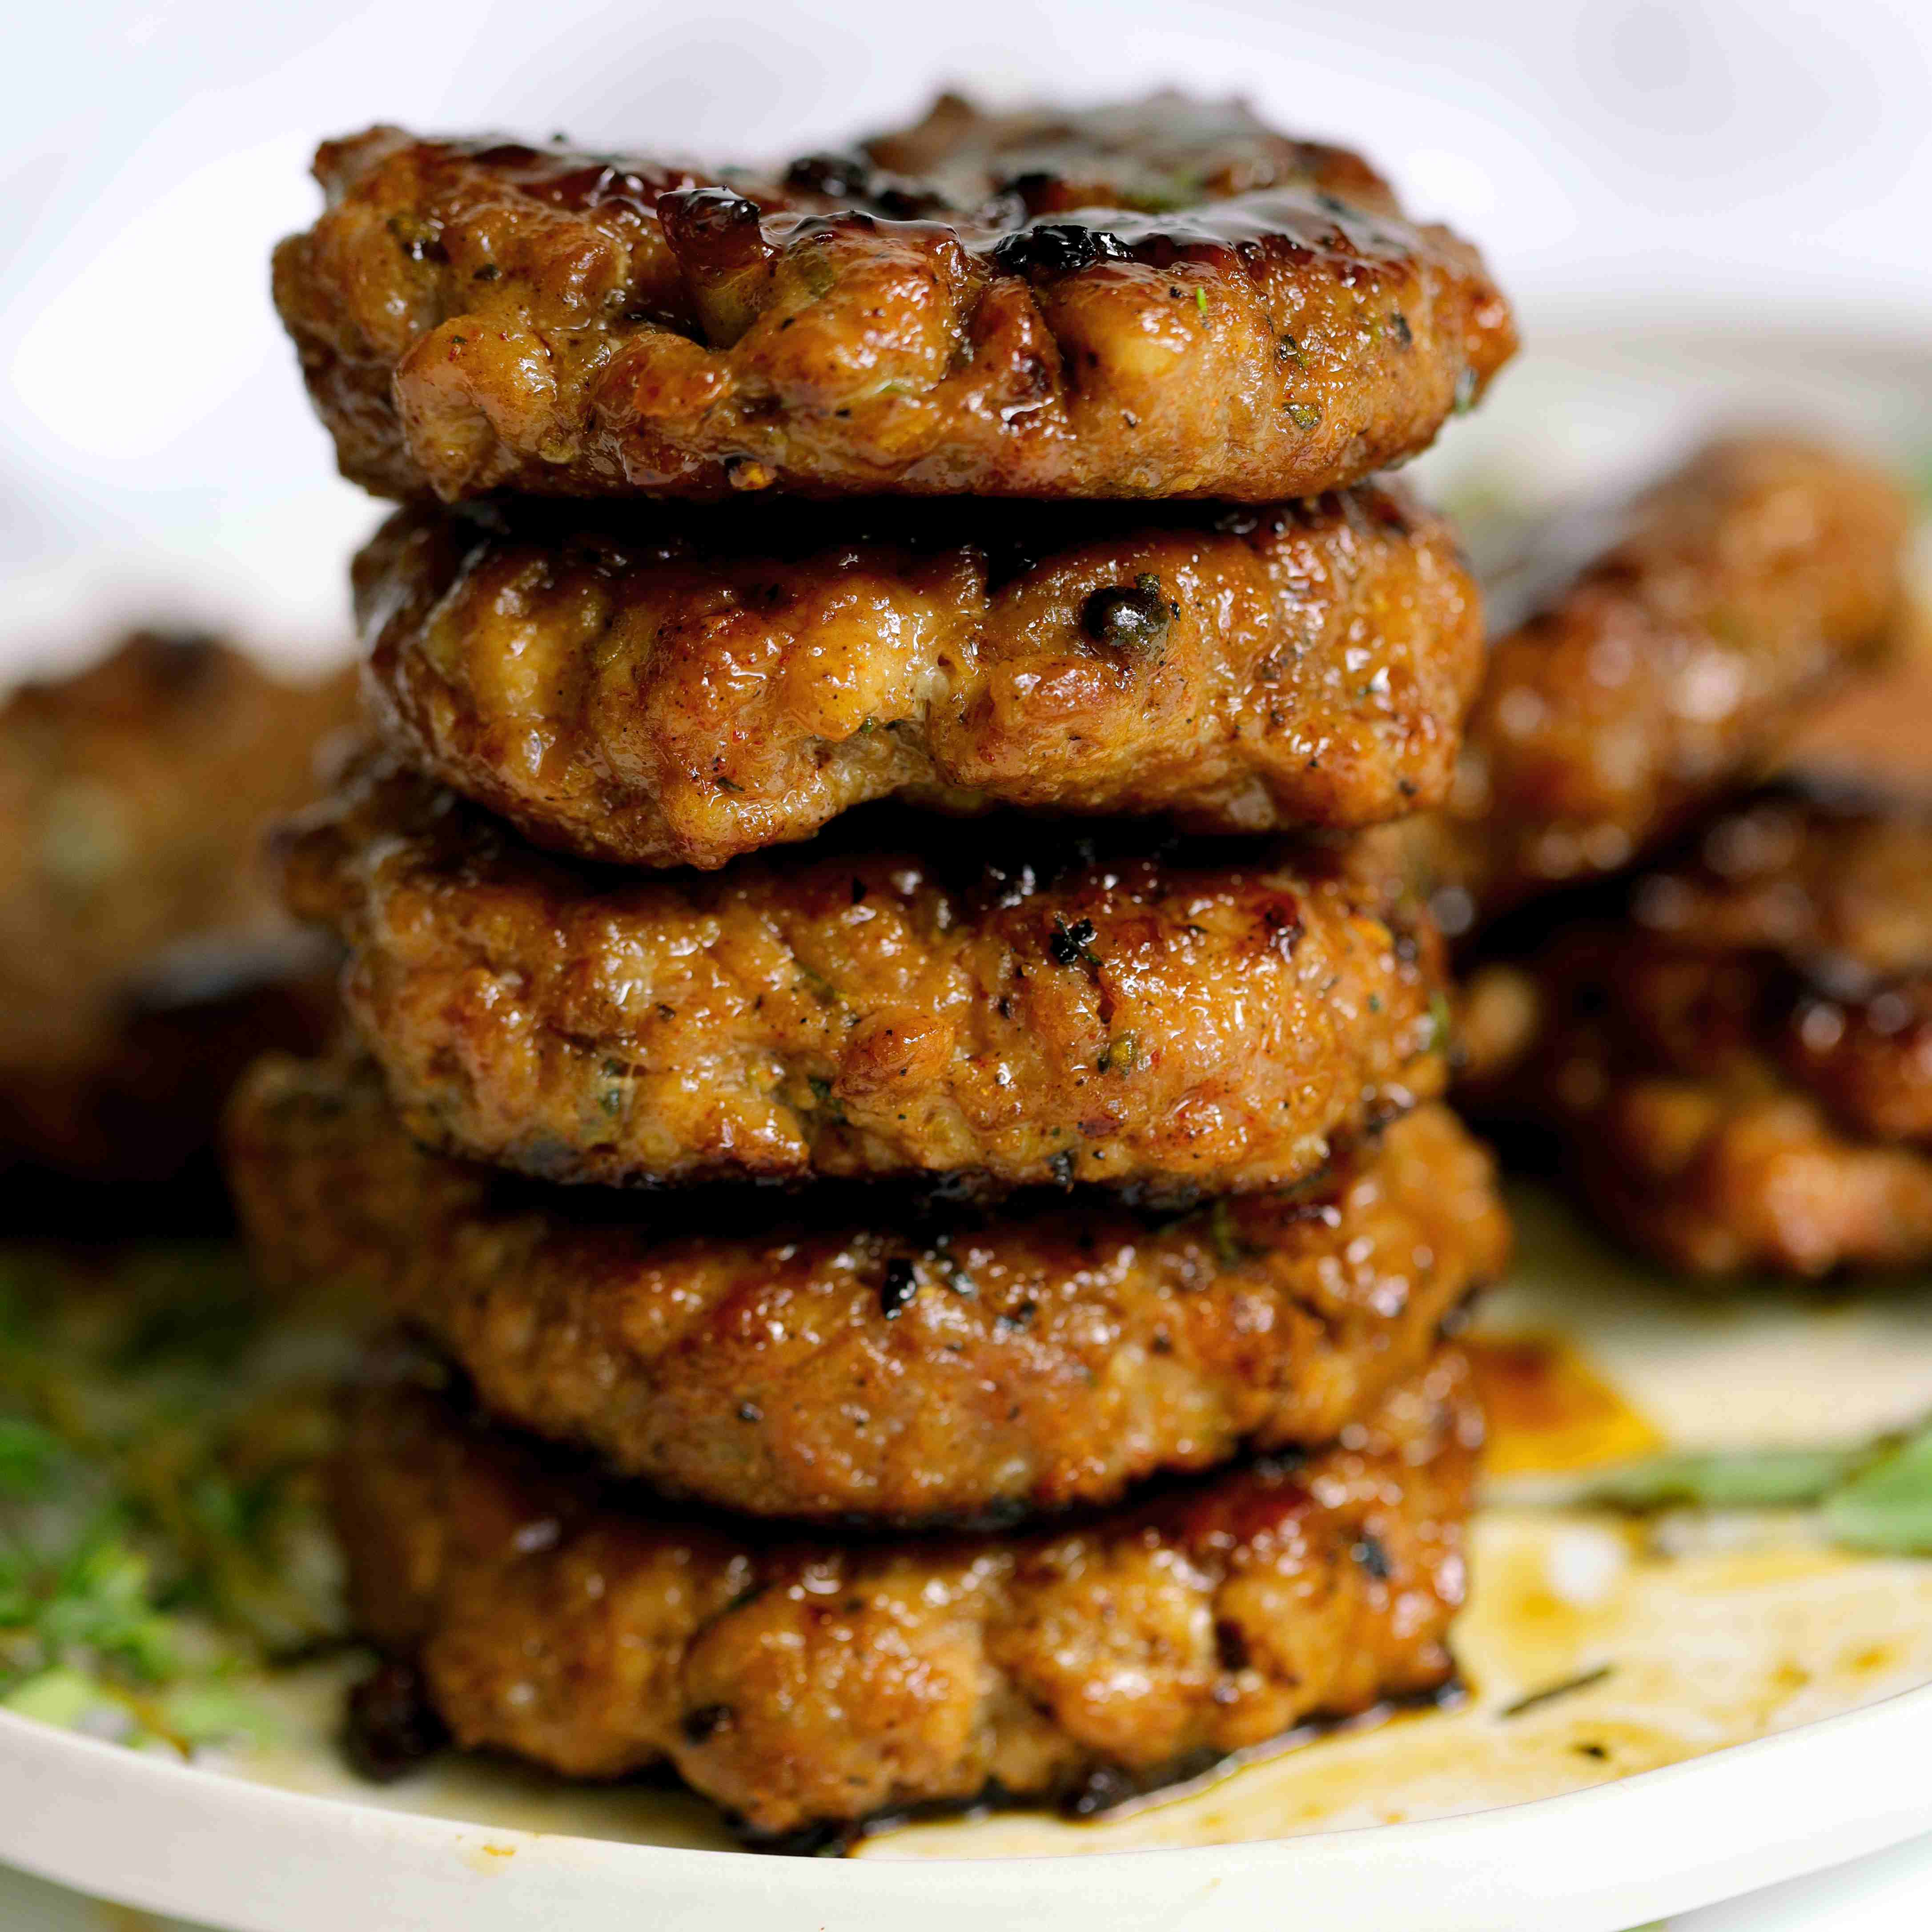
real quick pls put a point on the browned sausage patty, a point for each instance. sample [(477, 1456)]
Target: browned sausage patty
[(1162, 299), (801, 1683), (1153, 1023), (141, 1112), (631, 692), (1806, 920), (1673, 668), (141, 947), (1741, 1068), (1721, 1176), (799, 1359)]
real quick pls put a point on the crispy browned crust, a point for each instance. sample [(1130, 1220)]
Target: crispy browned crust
[(632, 693), (1147, 1022), (1674, 667), (141, 947), (804, 1360), (1160, 300), (799, 1684), (1742, 1070)]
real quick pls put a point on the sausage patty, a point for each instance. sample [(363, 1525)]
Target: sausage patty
[(1163, 1023), (1721, 1175), (634, 691), (834, 1357), (1740, 1065), (141, 948), (1162, 299), (1808, 920), (803, 1683), (1672, 668)]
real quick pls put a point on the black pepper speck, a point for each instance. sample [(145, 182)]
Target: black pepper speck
[(1373, 1556), (1066, 944), (900, 1285), (1132, 618), (1058, 248)]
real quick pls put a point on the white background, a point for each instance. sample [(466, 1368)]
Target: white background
[(1746, 165), (1751, 159)]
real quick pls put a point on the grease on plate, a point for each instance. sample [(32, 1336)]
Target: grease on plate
[(1595, 1645), (1618, 1658), (1551, 1410)]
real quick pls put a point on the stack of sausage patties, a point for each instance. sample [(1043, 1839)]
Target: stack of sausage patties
[(943, 1299)]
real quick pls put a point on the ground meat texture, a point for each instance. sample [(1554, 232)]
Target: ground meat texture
[(1165, 299), (1739, 1068), (1177, 1025), (804, 1361), (631, 693), (143, 956), (1672, 668), (803, 1683)]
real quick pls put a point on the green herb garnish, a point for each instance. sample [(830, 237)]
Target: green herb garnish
[(1874, 1496), (161, 1532)]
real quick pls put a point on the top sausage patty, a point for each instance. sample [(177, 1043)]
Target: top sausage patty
[(1165, 299), (635, 691), (999, 1005)]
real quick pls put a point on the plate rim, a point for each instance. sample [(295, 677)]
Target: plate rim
[(199, 1842)]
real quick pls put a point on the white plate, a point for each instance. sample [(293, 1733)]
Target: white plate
[(167, 1838), (224, 1850)]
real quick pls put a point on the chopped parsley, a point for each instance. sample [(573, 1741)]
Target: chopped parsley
[(161, 1533)]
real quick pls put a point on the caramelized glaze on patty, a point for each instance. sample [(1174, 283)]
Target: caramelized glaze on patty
[(833, 1357), (1161, 299), (801, 1683), (1000, 1006), (633, 689)]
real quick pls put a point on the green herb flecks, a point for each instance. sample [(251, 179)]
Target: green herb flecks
[(1230, 1250), (1067, 943), (161, 1533), (614, 1097), (815, 983), (814, 269)]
